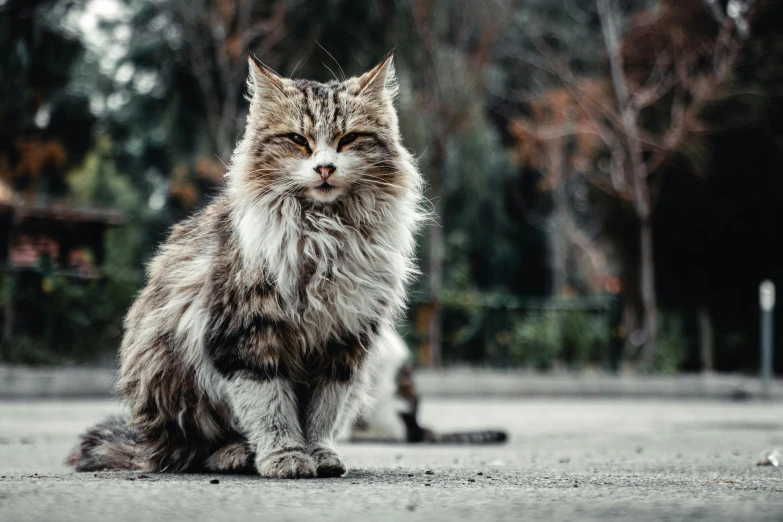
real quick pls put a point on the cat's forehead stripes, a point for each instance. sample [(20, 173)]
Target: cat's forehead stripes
[(324, 108)]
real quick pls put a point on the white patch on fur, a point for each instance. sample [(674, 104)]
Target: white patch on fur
[(382, 406), (352, 275), (188, 302)]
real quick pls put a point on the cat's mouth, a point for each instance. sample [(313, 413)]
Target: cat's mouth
[(325, 192)]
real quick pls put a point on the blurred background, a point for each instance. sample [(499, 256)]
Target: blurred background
[(606, 173)]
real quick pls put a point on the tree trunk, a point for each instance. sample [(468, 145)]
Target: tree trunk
[(637, 176), (558, 229), (436, 250), (436, 286), (706, 340), (647, 278)]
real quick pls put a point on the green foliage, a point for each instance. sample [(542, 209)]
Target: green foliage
[(672, 345), (573, 338), (537, 341), (68, 319), (98, 182), (501, 329)]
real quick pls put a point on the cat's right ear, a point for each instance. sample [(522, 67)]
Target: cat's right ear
[(263, 82)]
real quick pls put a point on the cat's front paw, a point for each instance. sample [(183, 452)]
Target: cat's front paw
[(328, 463), (286, 465)]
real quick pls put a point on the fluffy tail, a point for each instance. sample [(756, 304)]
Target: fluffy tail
[(110, 445)]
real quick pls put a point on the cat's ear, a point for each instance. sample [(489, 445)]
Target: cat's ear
[(380, 80), (262, 80)]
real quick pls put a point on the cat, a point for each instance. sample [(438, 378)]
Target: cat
[(393, 417), (254, 340)]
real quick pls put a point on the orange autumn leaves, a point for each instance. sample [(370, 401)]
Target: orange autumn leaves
[(33, 158), (558, 120), (183, 186)]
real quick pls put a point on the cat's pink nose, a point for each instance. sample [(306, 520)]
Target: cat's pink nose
[(325, 171)]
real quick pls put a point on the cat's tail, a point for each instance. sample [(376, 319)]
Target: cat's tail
[(469, 437), (416, 433), (110, 445)]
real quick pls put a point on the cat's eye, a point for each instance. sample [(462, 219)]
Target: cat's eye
[(299, 139), (346, 140)]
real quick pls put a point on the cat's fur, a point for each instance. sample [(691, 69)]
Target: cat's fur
[(394, 416), (254, 339)]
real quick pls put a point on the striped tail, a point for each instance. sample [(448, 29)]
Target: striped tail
[(416, 433), (468, 437)]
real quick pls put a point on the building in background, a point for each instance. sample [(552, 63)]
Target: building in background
[(39, 245)]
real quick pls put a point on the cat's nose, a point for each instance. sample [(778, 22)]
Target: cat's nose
[(325, 171)]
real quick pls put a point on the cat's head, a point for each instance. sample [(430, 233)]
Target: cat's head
[(322, 142)]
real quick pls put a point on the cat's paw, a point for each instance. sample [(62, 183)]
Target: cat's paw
[(236, 457), (328, 463), (286, 465)]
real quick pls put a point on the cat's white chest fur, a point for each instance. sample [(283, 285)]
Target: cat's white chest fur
[(334, 274), (347, 282)]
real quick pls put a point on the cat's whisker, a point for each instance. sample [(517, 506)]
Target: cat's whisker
[(333, 58), (331, 71), (378, 179)]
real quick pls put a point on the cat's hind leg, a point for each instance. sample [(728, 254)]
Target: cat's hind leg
[(234, 457)]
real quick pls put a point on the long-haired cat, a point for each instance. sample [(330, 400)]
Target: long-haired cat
[(254, 338)]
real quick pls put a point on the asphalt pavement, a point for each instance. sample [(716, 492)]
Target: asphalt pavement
[(566, 460)]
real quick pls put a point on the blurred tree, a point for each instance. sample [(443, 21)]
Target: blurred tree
[(217, 36), (45, 127), (715, 235), (673, 64), (557, 139), (454, 42), (668, 67), (550, 134)]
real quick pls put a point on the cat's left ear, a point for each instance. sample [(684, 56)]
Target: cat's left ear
[(381, 80)]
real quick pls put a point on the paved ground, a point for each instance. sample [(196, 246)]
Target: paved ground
[(575, 460)]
